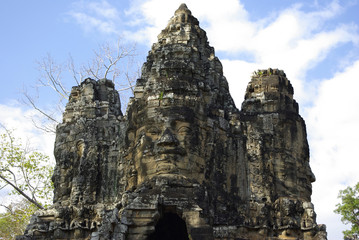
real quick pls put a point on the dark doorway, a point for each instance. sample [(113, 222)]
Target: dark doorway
[(170, 226)]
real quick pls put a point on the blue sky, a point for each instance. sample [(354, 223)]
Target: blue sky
[(315, 42)]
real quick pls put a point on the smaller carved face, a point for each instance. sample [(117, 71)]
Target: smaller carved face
[(310, 212), (80, 147), (168, 144), (287, 207)]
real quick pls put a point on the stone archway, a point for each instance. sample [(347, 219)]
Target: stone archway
[(170, 226)]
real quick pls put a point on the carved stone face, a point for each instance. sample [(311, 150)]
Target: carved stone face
[(168, 142), (310, 212)]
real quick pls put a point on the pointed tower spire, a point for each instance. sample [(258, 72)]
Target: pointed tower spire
[(182, 64), (183, 8), (182, 27)]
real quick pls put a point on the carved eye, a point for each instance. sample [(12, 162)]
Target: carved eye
[(184, 130), (153, 131)]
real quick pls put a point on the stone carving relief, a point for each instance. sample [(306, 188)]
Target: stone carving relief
[(183, 157)]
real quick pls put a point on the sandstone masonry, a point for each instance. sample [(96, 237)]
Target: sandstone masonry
[(183, 162)]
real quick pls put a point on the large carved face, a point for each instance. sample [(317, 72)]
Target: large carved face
[(169, 142)]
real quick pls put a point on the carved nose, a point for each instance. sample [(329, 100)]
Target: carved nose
[(168, 139), (311, 176)]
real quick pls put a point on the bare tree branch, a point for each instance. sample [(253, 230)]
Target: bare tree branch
[(74, 72), (9, 209), (22, 193), (110, 61), (32, 103)]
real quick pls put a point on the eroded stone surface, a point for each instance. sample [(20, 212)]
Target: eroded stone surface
[(183, 157)]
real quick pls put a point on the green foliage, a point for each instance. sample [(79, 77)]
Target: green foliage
[(349, 209), (27, 172), (161, 95), (13, 222)]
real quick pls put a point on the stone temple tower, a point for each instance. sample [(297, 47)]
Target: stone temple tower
[(183, 162)]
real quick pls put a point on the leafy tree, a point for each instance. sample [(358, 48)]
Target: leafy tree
[(349, 209), (26, 172), (14, 221)]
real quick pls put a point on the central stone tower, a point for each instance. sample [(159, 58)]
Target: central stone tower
[(183, 162), (185, 148)]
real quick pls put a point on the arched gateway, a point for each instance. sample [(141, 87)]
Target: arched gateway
[(170, 226)]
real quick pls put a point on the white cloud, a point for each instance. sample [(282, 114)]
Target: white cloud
[(17, 119), (150, 15), (333, 130), (291, 41), (238, 72), (103, 9), (96, 16)]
